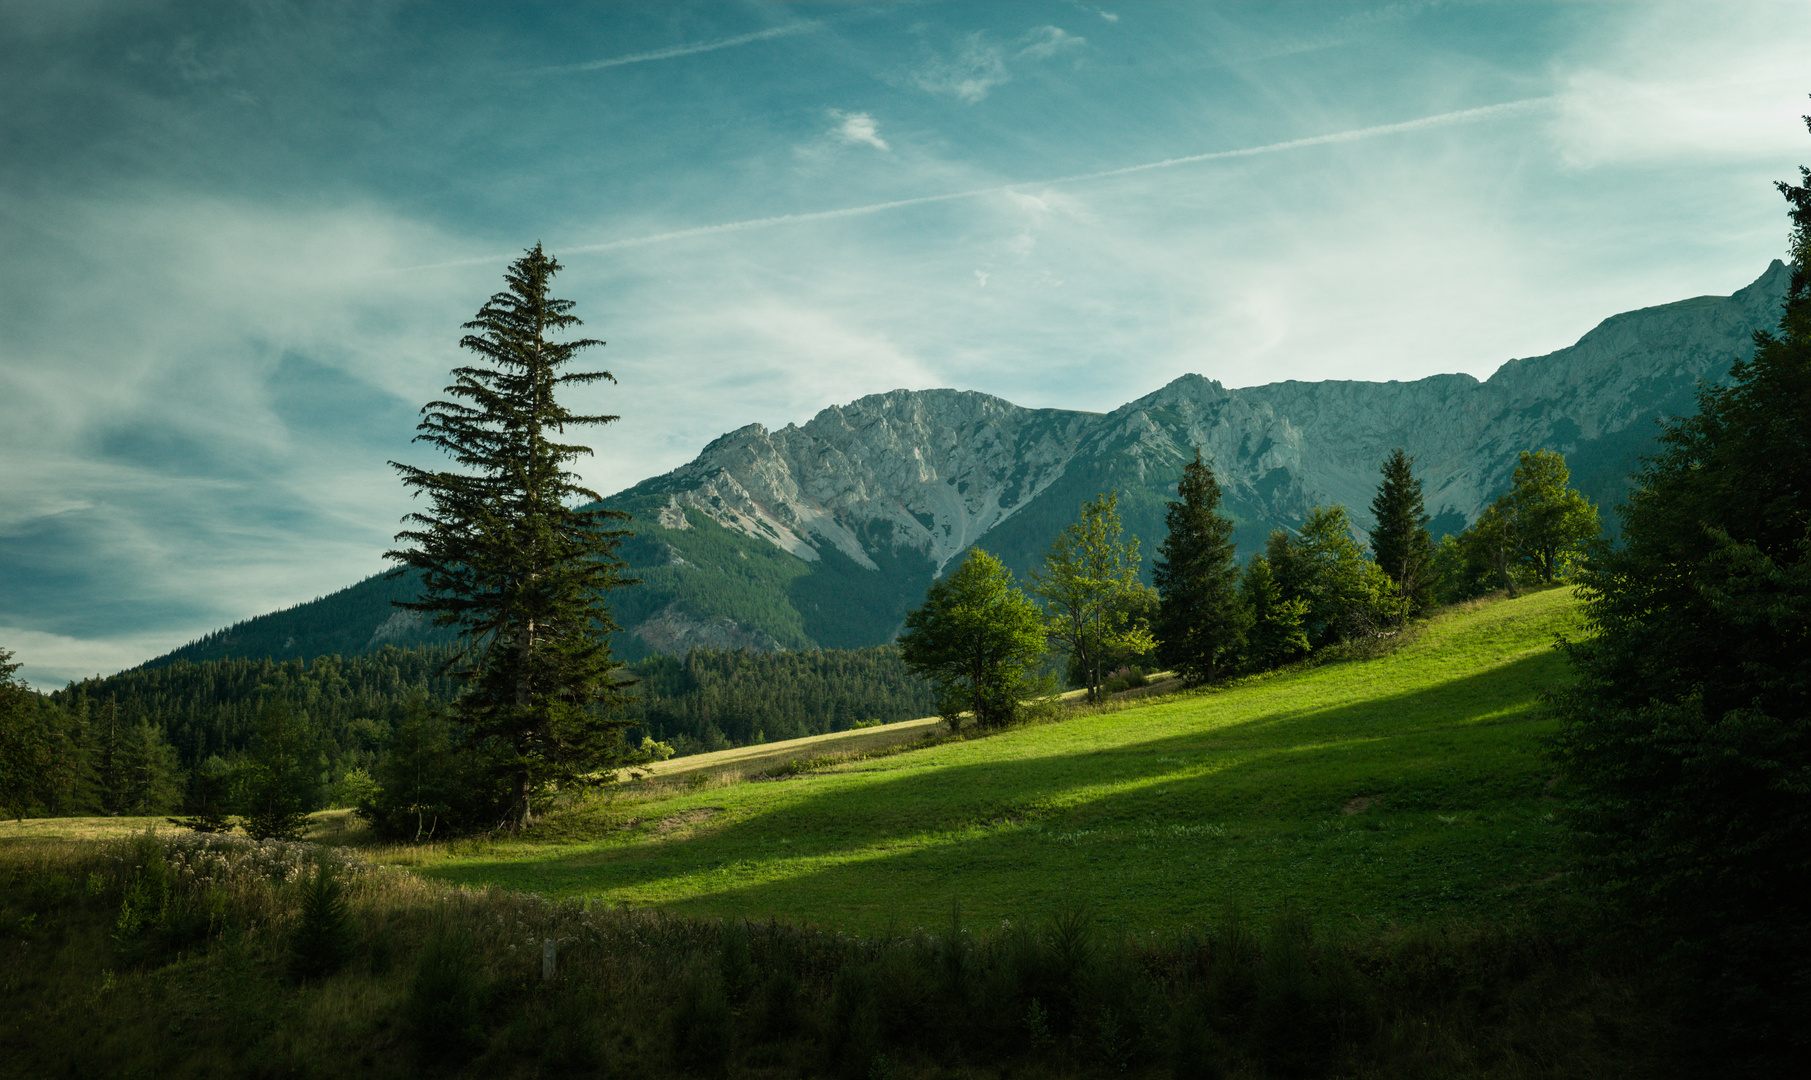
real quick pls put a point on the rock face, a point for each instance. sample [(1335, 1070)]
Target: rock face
[(676, 632), (938, 470), (932, 470)]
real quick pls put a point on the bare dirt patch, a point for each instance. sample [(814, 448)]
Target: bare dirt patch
[(679, 821), (1359, 804)]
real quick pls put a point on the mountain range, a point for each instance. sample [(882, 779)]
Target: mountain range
[(823, 535)]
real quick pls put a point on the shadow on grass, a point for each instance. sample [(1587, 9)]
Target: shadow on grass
[(1020, 830)]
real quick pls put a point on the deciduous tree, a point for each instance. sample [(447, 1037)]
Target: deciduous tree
[(976, 638), (1086, 570), (1347, 594), (1552, 521), (510, 554)]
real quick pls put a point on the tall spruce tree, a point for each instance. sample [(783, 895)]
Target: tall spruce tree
[(22, 750), (509, 554), (1687, 734), (1200, 625), (1400, 542), (277, 782)]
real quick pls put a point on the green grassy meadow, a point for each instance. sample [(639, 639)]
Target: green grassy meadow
[(1398, 789)]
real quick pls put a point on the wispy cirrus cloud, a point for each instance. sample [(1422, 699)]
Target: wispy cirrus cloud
[(978, 64), (1105, 15), (1503, 110)]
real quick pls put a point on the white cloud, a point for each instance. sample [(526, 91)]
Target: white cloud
[(978, 65), (976, 68), (1722, 82), (1046, 41), (1104, 14), (857, 127), (688, 49), (51, 661)]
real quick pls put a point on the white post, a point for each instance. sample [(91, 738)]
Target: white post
[(548, 948)]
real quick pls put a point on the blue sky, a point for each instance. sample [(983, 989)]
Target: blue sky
[(239, 239)]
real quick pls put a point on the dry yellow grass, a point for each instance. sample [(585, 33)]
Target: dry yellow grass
[(324, 826), (762, 757)]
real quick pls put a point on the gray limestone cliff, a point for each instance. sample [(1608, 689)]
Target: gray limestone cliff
[(938, 470)]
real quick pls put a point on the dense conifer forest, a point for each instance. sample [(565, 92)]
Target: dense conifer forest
[(138, 741)]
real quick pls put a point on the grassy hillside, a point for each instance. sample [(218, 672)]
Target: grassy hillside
[(1400, 788)]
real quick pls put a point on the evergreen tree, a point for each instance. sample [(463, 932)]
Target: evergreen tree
[(277, 784), (1688, 730), (105, 748), (151, 779), (431, 782), (1200, 625), (1085, 572), (509, 558), (1276, 636), (208, 802), (976, 638), (1400, 542), (22, 750)]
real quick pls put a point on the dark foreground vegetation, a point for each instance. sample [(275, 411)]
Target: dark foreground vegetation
[(218, 956)]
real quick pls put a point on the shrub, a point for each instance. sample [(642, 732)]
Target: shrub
[(852, 1044), (444, 1011), (699, 1025), (322, 941)]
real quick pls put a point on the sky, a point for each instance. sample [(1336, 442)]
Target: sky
[(237, 240)]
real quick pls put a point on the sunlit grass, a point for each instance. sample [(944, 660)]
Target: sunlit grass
[(1155, 815)]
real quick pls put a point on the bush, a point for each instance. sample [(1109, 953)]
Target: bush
[(852, 1045), (700, 1024), (1126, 678), (322, 941), (444, 1011)]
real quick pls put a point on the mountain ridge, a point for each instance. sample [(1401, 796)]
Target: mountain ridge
[(823, 534)]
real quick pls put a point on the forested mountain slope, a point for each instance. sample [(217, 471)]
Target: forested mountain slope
[(823, 535)]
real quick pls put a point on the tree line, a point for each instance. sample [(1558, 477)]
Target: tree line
[(712, 699), (160, 740), (980, 639)]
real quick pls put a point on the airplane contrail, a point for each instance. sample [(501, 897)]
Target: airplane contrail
[(1462, 116), (684, 50)]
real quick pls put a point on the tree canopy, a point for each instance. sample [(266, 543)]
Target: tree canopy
[(976, 638), (1552, 522), (1086, 572), (1347, 594)]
